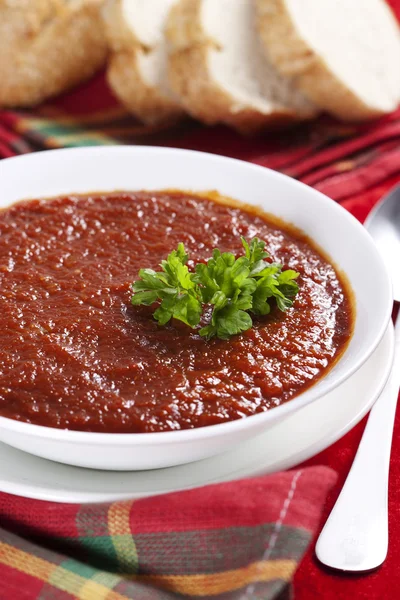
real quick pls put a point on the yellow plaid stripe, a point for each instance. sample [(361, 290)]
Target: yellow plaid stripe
[(56, 575), (65, 139), (100, 587), (121, 536), (97, 588), (228, 581)]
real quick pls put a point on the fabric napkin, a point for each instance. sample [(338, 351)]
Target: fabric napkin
[(235, 540)]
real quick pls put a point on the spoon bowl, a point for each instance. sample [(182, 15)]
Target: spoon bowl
[(383, 223)]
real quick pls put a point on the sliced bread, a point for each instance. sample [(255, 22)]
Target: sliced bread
[(48, 46), (137, 70), (218, 68), (344, 55)]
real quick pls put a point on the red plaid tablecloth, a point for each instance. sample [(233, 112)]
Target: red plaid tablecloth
[(241, 540)]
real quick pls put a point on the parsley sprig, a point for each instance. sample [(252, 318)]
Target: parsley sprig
[(233, 287)]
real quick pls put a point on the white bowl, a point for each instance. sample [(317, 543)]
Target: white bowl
[(350, 247)]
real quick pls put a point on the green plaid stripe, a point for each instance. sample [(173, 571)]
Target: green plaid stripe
[(227, 549), (107, 539), (53, 134), (182, 553)]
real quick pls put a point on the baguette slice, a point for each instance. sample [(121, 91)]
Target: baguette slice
[(218, 68), (48, 46), (344, 55), (137, 71)]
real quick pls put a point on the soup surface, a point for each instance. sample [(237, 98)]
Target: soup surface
[(75, 354)]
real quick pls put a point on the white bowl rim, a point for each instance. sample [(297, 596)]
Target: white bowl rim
[(209, 431)]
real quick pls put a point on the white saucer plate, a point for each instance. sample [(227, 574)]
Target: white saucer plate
[(300, 436)]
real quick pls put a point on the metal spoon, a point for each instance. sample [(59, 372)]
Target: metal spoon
[(355, 537)]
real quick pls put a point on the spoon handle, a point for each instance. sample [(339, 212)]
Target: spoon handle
[(355, 537)]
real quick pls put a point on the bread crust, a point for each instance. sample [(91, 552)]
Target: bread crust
[(47, 47), (208, 102), (146, 102), (190, 78), (294, 58), (119, 36)]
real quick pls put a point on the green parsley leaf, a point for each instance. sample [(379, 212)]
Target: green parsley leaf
[(146, 297), (233, 287), (227, 322), (180, 298), (255, 251), (287, 283)]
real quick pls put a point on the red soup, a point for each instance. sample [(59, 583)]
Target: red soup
[(75, 354)]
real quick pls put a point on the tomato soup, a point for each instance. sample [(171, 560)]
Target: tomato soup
[(75, 354)]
